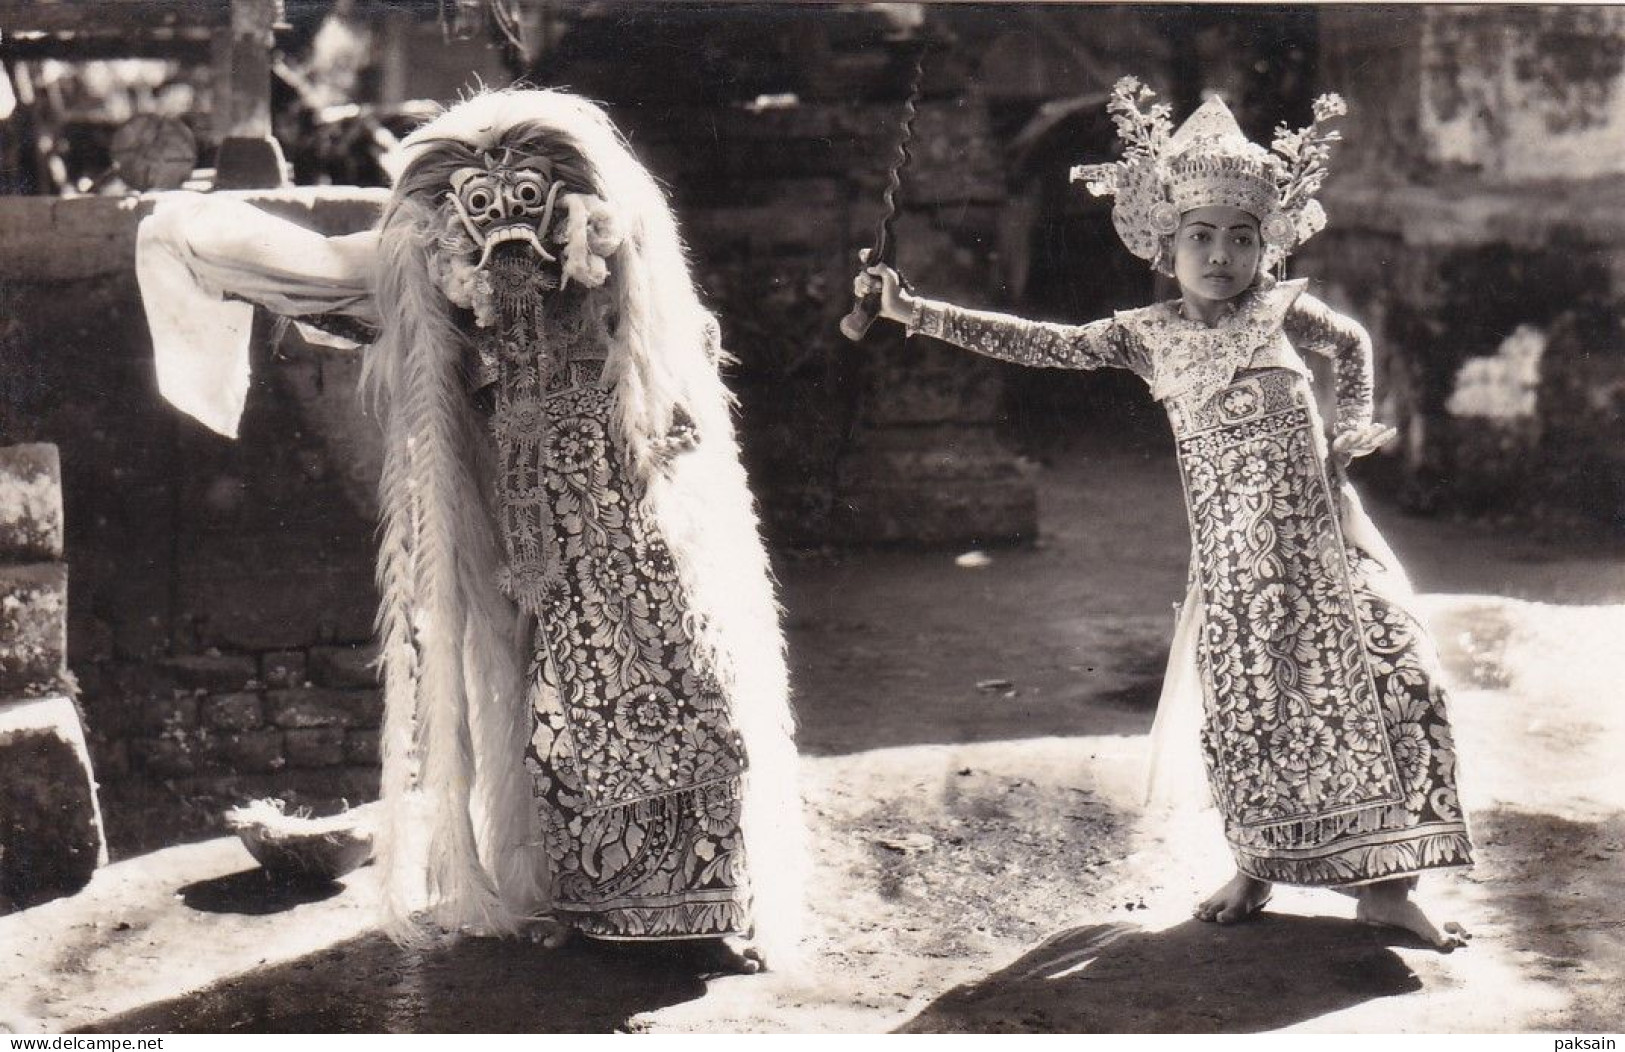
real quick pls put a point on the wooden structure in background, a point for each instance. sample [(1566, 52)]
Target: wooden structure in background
[(234, 38)]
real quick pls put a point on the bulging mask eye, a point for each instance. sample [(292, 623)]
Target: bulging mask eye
[(480, 199), (527, 192)]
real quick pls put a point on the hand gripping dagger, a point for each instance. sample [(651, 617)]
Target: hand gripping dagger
[(856, 324)]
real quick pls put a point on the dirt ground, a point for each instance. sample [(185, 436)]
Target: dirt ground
[(975, 739)]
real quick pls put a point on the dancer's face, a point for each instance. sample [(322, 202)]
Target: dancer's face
[(1216, 253)]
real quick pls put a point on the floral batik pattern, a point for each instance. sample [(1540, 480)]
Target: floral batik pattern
[(645, 719), (1326, 738), (666, 867), (634, 758), (1039, 344)]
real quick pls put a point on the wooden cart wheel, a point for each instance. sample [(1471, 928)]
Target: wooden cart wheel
[(154, 153)]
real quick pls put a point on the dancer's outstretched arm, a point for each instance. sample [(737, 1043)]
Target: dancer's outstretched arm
[(1096, 345), (202, 260)]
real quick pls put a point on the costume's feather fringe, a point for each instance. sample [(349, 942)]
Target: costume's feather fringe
[(498, 645), (412, 377), (662, 357), (400, 848), (705, 512)]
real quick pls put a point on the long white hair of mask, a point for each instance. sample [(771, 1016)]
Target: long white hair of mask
[(458, 807)]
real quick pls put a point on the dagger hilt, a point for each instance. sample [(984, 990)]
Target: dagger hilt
[(884, 250)]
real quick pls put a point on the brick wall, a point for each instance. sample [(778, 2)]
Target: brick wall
[(200, 566), (301, 724), (212, 581)]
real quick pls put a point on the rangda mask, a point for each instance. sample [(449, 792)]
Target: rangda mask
[(521, 225)]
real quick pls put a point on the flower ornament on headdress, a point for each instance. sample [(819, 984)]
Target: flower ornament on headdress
[(1165, 173)]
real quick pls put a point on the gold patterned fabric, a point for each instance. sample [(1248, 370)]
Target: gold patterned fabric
[(666, 867), (1269, 326), (1325, 731), (1196, 361), (634, 759), (1328, 747), (1294, 709)]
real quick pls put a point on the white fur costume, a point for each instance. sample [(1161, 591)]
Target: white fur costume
[(464, 663)]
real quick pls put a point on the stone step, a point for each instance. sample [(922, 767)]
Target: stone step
[(33, 629), (51, 834), (30, 503)]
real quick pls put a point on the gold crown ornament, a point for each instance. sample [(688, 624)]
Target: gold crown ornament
[(1165, 173)]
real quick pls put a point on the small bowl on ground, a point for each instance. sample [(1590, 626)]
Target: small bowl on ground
[(295, 847)]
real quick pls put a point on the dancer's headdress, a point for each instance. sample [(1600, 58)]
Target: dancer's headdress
[(1208, 161)]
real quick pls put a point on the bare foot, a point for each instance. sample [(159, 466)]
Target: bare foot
[(1389, 902), (1242, 897), (737, 954), (548, 932)]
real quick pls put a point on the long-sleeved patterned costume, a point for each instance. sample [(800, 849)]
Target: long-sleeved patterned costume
[(1324, 732), (586, 702)]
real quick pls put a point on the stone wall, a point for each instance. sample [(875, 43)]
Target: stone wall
[(212, 729), (776, 141), (201, 566), (775, 127), (1476, 227), (222, 592), (50, 827)]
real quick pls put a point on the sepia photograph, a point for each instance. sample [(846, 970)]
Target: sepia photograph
[(694, 517)]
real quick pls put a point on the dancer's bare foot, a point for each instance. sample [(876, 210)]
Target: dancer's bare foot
[(737, 954), (1242, 897), (548, 932), (1389, 902)]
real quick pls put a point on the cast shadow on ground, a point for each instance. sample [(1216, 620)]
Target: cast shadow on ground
[(255, 893), (370, 985), (1557, 883), (1269, 973)]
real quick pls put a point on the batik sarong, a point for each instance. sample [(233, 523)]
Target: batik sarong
[(634, 760), (1327, 744)]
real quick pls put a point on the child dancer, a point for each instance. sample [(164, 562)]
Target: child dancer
[(1323, 727)]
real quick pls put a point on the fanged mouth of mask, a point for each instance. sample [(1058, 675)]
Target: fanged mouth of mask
[(520, 235)]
